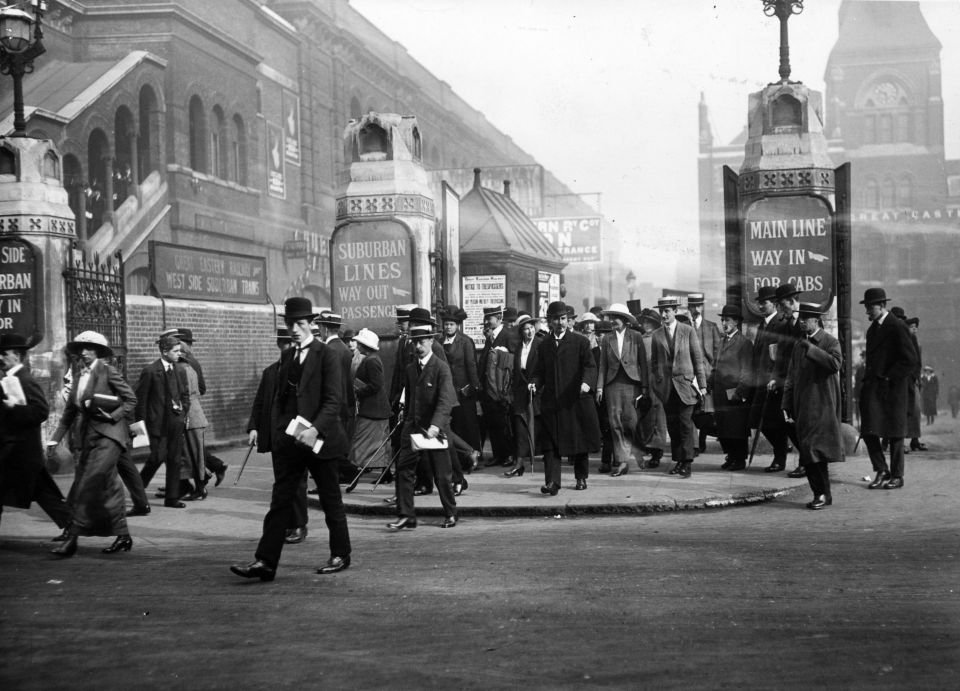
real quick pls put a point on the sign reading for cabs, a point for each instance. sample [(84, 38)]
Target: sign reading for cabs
[(20, 283), (790, 240), (371, 273), (195, 274)]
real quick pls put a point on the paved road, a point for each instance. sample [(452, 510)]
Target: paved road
[(769, 595)]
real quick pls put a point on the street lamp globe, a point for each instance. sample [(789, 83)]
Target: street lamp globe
[(15, 30)]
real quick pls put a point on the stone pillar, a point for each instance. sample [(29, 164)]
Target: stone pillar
[(108, 190)]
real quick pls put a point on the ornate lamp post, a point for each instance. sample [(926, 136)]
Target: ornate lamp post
[(20, 43), (783, 10)]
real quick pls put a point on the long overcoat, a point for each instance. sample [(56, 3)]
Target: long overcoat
[(771, 365), (568, 418), (811, 397), (731, 384), (891, 358), (21, 451), (930, 392)]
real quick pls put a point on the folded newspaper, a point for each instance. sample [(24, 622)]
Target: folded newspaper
[(297, 425), (140, 437), (421, 442), (13, 390)]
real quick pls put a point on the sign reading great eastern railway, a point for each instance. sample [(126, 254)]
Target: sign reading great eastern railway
[(20, 284), (790, 240), (371, 273), (197, 274)]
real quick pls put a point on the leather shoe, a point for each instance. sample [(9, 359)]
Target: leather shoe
[(460, 487), (490, 462), (199, 495), (123, 543), (515, 471), (449, 522), (726, 463), (334, 564), (139, 511), (774, 467), (819, 502), (220, 475), (622, 469), (882, 477), (62, 537), (296, 535), (390, 501), (160, 493), (676, 468), (604, 468), (799, 471), (420, 491), (257, 569), (474, 460), (686, 469), (654, 461), (550, 489), (582, 483), (738, 465), (918, 447), (403, 522), (174, 504), (67, 549), (893, 483)]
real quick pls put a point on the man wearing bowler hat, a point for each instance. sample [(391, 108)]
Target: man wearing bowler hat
[(308, 388), (679, 381), (23, 476), (730, 386), (330, 325), (891, 359), (788, 302), (496, 419)]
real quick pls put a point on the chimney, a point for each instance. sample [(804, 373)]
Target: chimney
[(506, 189), (476, 178)]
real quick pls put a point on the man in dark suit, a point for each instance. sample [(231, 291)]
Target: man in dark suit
[(330, 325), (309, 388), (891, 358), (163, 400), (730, 384), (565, 377), (679, 382), (791, 333), (495, 412), (429, 397), (623, 377), (23, 476), (710, 337), (462, 358)]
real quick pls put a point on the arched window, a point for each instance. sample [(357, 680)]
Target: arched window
[(871, 199), (122, 169), (786, 114), (238, 151), (51, 166), (885, 132), (417, 145), (8, 161), (98, 150), (906, 192), (218, 144), (198, 138), (374, 143), (888, 194), (74, 183), (148, 141)]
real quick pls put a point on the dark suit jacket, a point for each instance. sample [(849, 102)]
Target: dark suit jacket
[(462, 357), (430, 396), (633, 360), (891, 361), (522, 377), (733, 370), (680, 367), (508, 338), (192, 361), (261, 413), (154, 400), (104, 379), (405, 355), (371, 389), (348, 403), (21, 451), (318, 396), (710, 339)]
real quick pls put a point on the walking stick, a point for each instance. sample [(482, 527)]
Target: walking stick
[(530, 430), (249, 451), (857, 445), (363, 469), (756, 437), (384, 471)]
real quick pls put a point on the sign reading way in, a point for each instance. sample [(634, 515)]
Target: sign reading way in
[(576, 239), (194, 274), (789, 240), (20, 282), (371, 273)]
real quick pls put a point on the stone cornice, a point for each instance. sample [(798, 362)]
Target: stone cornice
[(787, 180), (388, 205)]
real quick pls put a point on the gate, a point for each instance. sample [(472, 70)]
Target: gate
[(96, 300)]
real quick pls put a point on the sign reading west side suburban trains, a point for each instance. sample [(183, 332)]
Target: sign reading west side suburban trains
[(371, 273), (198, 274), (790, 240)]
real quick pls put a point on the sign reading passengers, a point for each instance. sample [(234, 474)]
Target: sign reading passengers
[(576, 239), (371, 273), (790, 240)]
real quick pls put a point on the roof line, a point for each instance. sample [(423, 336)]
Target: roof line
[(108, 80)]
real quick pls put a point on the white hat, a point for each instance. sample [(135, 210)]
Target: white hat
[(91, 340), (587, 317), (619, 310), (368, 338)]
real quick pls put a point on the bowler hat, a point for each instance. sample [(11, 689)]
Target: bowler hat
[(92, 340), (453, 313), (13, 342), (913, 321), (421, 331), (874, 295), (185, 335), (510, 314), (767, 293), (556, 309), (695, 299), (786, 290), (898, 312), (298, 308), (809, 309), (619, 310), (663, 303), (403, 311), (496, 310), (421, 315), (328, 318), (368, 338), (731, 312)]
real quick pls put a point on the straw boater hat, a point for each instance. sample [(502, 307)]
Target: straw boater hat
[(421, 331), (663, 303), (695, 299), (298, 308), (874, 295), (809, 309), (618, 310), (330, 318), (453, 313), (524, 319), (497, 310), (368, 338), (13, 342), (93, 341)]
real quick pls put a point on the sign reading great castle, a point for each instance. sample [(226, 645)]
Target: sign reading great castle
[(790, 240)]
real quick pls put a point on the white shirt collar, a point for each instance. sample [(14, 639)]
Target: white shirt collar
[(426, 358), (768, 319), (13, 370), (330, 338), (496, 331), (882, 317), (304, 344)]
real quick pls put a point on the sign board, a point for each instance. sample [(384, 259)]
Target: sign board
[(450, 244), (479, 292), (276, 171), (21, 280), (372, 272), (291, 127), (548, 290), (789, 240), (576, 239), (196, 274)]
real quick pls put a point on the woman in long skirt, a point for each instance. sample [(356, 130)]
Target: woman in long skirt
[(373, 406)]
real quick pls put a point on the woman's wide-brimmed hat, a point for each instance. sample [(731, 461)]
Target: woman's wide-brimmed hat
[(619, 310), (453, 313), (90, 340), (298, 308), (368, 338), (651, 315)]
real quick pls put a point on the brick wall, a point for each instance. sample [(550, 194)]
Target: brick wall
[(232, 342)]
